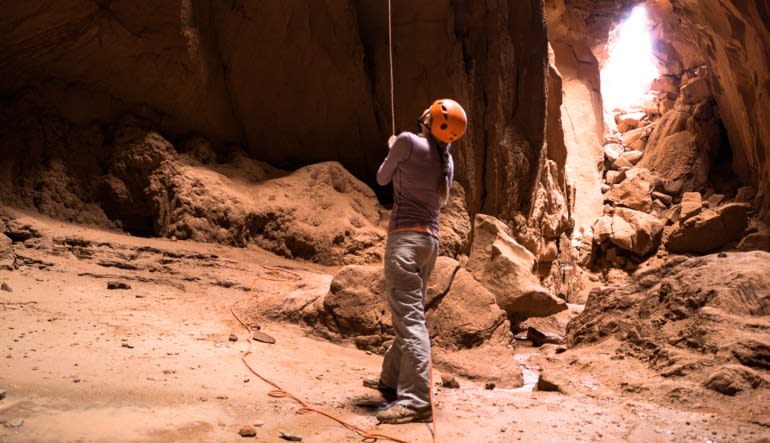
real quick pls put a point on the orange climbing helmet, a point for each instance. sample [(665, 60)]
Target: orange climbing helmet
[(448, 120)]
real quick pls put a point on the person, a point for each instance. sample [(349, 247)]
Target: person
[(421, 170)]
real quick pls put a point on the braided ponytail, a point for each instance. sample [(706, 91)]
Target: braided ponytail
[(443, 185)]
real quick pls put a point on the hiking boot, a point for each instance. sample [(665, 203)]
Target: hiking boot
[(386, 391), (398, 413), (375, 383)]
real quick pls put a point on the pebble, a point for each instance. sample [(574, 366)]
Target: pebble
[(247, 431), (5, 287), (233, 337), (15, 423), (2, 394), (118, 285), (449, 382), (290, 437)]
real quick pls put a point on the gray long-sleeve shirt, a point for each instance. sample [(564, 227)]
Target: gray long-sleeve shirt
[(414, 167)]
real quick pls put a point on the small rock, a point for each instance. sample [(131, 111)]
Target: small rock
[(15, 423), (262, 337), (621, 162), (2, 394), (127, 345), (247, 431), (290, 437), (546, 385), (118, 285), (715, 200), (692, 205), (745, 194), (665, 198), (449, 382), (612, 151), (539, 338), (632, 157), (490, 386), (233, 337), (5, 287)]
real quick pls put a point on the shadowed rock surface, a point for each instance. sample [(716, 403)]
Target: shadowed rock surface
[(696, 318)]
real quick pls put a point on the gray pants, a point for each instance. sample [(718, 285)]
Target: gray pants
[(409, 260)]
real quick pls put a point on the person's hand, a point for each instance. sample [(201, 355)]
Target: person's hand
[(391, 141)]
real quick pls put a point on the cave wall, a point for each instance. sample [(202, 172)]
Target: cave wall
[(732, 38), (296, 82), (581, 109)]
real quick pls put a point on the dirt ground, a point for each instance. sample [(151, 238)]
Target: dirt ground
[(158, 362)]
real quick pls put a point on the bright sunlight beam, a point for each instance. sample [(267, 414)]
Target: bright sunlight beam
[(630, 67)]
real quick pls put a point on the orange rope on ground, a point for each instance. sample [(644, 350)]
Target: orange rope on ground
[(279, 392)]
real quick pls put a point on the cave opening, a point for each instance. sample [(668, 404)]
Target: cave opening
[(628, 73)]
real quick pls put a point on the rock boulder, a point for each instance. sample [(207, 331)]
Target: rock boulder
[(505, 268), (467, 315), (709, 230), (687, 316)]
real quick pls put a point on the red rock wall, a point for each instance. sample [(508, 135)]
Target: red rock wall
[(732, 37), (296, 82)]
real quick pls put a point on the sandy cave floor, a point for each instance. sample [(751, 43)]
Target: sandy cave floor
[(155, 363)]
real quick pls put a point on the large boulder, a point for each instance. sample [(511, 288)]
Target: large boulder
[(505, 268), (687, 316), (455, 224), (467, 315), (357, 307), (679, 156), (732, 379), (135, 163), (758, 238), (356, 304), (711, 229), (635, 191), (633, 231), (636, 231)]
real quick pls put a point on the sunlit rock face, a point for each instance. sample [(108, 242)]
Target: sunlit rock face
[(732, 38), (729, 37)]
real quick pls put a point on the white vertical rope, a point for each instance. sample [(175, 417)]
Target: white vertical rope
[(390, 58)]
